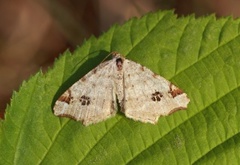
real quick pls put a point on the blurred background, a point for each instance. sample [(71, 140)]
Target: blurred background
[(34, 32)]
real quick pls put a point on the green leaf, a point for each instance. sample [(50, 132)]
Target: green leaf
[(201, 56)]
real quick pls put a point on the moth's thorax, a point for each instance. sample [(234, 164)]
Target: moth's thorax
[(118, 77)]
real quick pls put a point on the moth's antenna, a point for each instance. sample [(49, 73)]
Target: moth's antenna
[(106, 57), (114, 54)]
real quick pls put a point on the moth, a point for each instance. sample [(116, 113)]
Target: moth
[(142, 95)]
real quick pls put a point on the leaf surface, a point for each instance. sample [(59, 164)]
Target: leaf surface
[(201, 56)]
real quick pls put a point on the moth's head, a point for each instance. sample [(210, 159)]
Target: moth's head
[(118, 59)]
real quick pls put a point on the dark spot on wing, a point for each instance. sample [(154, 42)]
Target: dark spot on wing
[(154, 75), (66, 97), (69, 116), (83, 78), (84, 100), (176, 109), (156, 96), (175, 92)]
